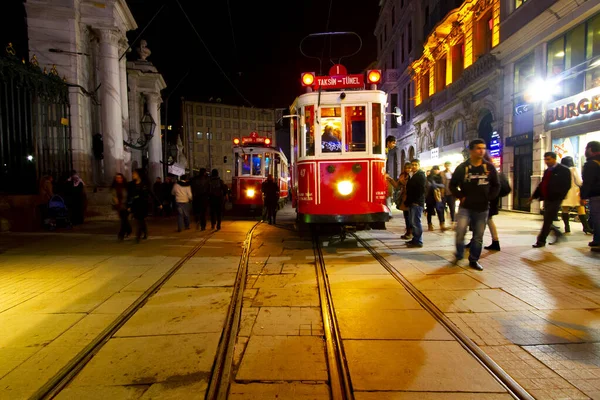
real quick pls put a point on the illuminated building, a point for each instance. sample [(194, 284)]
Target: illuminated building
[(550, 56)]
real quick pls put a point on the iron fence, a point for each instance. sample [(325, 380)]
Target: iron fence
[(35, 136)]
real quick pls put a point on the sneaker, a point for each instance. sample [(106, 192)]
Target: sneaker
[(475, 265), (594, 244), (414, 244), (538, 245)]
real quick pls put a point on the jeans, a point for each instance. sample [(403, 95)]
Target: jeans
[(183, 215), (551, 208), (415, 213), (477, 220), (594, 204), (407, 219), (438, 209), (450, 201)]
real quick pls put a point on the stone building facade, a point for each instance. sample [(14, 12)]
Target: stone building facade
[(214, 125)]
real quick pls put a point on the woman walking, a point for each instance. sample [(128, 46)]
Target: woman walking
[(119, 201), (572, 200)]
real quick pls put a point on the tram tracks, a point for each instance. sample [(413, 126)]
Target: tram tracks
[(512, 387), (66, 374)]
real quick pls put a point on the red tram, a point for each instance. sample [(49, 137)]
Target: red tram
[(338, 151), (254, 160)]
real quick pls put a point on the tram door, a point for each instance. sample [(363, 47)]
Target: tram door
[(523, 168)]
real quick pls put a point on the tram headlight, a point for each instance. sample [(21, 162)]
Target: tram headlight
[(345, 187), (250, 193)]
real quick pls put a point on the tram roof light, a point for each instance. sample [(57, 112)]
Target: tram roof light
[(308, 78), (236, 141), (374, 75), (267, 141)]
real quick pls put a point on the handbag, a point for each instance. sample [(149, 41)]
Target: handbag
[(437, 194)]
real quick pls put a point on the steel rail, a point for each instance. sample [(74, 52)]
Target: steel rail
[(62, 378), (339, 375), (514, 389), (221, 376)]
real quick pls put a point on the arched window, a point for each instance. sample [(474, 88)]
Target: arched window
[(458, 131), (439, 139)]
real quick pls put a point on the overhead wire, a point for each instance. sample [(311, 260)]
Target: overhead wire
[(235, 51), (143, 30), (211, 55), (323, 52)]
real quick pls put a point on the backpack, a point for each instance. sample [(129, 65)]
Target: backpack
[(505, 188), (216, 187)]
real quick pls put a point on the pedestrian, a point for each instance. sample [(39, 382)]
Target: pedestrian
[(573, 200), (393, 167), (554, 187), (415, 201), (217, 193), (400, 186), (138, 193), (434, 199), (449, 199), (270, 191), (119, 202), (474, 183), (590, 190), (505, 190), (183, 197), (76, 198), (200, 190)]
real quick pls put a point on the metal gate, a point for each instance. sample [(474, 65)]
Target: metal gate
[(35, 136)]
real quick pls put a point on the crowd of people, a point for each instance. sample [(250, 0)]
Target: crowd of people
[(479, 188)]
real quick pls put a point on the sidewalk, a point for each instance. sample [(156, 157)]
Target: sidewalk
[(59, 290), (534, 311)]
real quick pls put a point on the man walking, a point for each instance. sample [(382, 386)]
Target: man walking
[(449, 199), (474, 183), (415, 201), (270, 191), (590, 190), (392, 168), (554, 187)]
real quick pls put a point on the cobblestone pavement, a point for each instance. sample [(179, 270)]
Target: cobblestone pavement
[(536, 312)]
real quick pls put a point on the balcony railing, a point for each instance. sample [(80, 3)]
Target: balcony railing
[(482, 67), (390, 76)]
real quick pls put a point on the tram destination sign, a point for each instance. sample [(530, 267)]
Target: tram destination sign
[(339, 82)]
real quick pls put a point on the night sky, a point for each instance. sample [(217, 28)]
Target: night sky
[(255, 42), (264, 61)]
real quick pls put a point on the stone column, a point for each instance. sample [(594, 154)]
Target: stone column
[(110, 100), (124, 108), (155, 146)]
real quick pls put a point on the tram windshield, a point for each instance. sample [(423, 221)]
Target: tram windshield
[(257, 163), (246, 166), (331, 125), (356, 130)]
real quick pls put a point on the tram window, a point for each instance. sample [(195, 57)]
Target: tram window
[(268, 163), (376, 128), (257, 164), (331, 136), (355, 121), (276, 173), (246, 166), (294, 124), (237, 164), (309, 131)]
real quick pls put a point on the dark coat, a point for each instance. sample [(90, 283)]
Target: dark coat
[(415, 189), (558, 186)]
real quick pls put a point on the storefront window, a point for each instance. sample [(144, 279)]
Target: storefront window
[(524, 73), (574, 146), (376, 128), (572, 57), (355, 123)]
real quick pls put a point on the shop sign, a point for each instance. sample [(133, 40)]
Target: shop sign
[(495, 150), (435, 153), (526, 138), (579, 108)]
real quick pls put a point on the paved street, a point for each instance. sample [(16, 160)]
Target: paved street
[(535, 312)]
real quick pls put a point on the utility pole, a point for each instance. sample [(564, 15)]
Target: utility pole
[(209, 151)]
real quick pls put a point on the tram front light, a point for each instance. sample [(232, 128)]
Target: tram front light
[(345, 188), (374, 76), (250, 193)]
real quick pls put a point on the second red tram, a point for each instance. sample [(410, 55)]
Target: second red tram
[(254, 160), (338, 150)]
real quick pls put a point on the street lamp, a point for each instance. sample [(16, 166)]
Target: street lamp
[(148, 125)]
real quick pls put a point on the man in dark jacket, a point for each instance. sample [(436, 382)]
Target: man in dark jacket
[(200, 191), (590, 190), (270, 191), (415, 201), (474, 183), (393, 167), (554, 187)]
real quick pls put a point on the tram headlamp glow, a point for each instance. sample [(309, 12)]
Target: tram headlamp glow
[(250, 193), (345, 188)]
